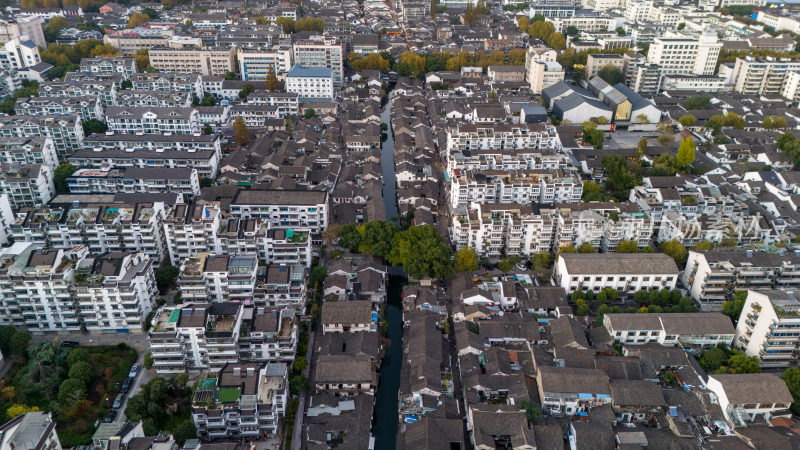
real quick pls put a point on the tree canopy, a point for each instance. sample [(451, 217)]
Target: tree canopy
[(465, 260), (611, 74)]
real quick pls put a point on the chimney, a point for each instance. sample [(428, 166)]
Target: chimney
[(250, 371), (237, 371)]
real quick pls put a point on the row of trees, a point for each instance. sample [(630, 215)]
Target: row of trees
[(66, 58), (414, 65), (306, 24), (420, 250), (538, 28)]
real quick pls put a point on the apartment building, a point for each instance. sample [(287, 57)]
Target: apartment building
[(271, 336), (128, 42), (34, 430), (287, 247), (762, 76), (203, 161), (597, 61), (506, 159), (97, 222), (299, 210), (749, 397), (169, 82), (542, 75), (83, 86), (467, 136), (769, 327), (196, 337), (158, 99), (712, 277), (685, 329), (133, 179), (254, 64), (66, 132), (19, 53), (283, 286), (7, 217), (570, 391), (30, 26), (37, 289), (133, 143), (287, 103), (678, 53), (115, 291), (588, 20), (190, 230), (310, 84), (204, 60), (85, 108), (109, 64), (152, 120), (321, 52), (242, 401), (552, 8), (625, 272), (27, 184), (603, 225), (218, 278), (494, 230), (516, 186), (778, 21)]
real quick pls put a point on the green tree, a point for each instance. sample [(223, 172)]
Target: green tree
[(688, 120), (71, 390), (60, 175), (675, 250), (583, 310), (611, 74), (272, 80), (19, 342), (19, 409), (77, 355), (791, 377), (54, 27), (504, 266), (93, 126), (349, 237), (686, 152), (713, 359), (540, 262), (208, 100), (703, 246), (309, 113), (137, 19), (148, 360), (298, 384), (739, 362), (627, 246), (592, 192), (410, 64), (184, 432), (641, 148), (465, 260), (82, 371), (241, 134), (422, 252), (166, 277), (377, 237), (533, 411), (697, 102), (586, 247), (247, 89), (733, 308), (556, 41), (300, 364)]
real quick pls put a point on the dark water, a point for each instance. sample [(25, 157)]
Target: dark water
[(386, 399), (389, 384)]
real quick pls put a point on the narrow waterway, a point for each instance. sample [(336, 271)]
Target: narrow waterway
[(386, 399)]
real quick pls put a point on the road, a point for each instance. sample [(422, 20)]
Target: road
[(141, 378)]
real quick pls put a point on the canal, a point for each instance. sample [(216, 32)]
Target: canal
[(385, 431)]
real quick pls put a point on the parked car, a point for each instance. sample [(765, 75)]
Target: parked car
[(70, 343), (110, 416), (134, 370), (126, 385), (118, 401)]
